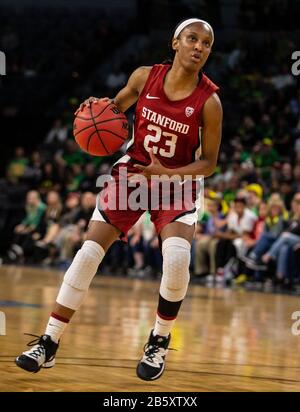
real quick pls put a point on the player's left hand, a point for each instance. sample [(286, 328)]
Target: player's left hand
[(155, 168)]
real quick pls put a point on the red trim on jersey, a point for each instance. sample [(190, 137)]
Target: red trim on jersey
[(166, 317), (61, 318)]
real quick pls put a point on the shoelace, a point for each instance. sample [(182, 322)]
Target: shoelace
[(40, 350), (34, 341), (152, 350)]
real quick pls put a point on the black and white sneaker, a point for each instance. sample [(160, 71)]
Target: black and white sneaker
[(152, 365), (252, 264), (41, 355)]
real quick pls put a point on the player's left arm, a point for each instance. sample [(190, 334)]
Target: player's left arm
[(211, 139)]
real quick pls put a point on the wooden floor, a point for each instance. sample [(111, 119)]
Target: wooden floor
[(226, 340)]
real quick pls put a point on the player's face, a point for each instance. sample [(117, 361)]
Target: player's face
[(193, 46)]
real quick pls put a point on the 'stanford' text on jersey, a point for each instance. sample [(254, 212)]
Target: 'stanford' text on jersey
[(172, 129)]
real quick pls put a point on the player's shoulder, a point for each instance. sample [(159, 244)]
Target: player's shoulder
[(214, 100), (142, 72), (213, 104), (139, 77)]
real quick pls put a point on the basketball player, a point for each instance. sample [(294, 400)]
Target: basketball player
[(176, 104)]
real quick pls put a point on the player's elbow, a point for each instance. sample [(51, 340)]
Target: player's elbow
[(210, 168), (210, 172)]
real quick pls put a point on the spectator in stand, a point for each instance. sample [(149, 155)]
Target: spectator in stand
[(254, 197), (266, 157), (206, 241), (240, 222), (259, 226), (88, 183), (23, 233), (67, 227), (286, 171), (16, 167), (75, 176), (50, 179), (152, 254), (289, 238), (232, 188), (56, 137), (296, 176), (70, 155), (250, 240), (33, 171), (248, 132), (286, 191), (136, 248), (265, 128), (75, 233), (274, 224), (50, 222)]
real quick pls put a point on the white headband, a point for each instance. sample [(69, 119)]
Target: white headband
[(190, 21)]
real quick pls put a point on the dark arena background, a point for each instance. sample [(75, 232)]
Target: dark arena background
[(238, 329)]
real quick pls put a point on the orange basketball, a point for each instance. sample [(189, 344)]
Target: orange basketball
[(100, 129)]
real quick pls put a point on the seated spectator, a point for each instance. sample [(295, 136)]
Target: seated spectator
[(23, 233), (232, 187), (33, 171), (70, 155), (70, 210), (74, 234), (16, 167), (250, 241), (266, 157), (240, 222), (50, 221), (290, 237), (56, 137), (274, 224), (50, 179), (67, 228), (88, 182), (153, 256), (206, 242), (254, 196), (74, 177), (286, 191), (296, 173), (144, 255)]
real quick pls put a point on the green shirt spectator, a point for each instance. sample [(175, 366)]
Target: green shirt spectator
[(16, 167), (35, 210), (267, 156)]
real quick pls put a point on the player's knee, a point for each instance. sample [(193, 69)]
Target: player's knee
[(84, 265), (176, 261)]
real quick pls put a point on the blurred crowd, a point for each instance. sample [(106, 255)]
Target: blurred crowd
[(250, 232)]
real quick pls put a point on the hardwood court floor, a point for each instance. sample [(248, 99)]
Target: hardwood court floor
[(226, 340)]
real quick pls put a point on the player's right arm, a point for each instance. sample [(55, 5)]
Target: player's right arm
[(130, 93)]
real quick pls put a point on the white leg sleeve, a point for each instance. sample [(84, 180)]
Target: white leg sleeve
[(78, 277), (176, 261)]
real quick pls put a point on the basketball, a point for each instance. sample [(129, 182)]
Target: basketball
[(100, 129)]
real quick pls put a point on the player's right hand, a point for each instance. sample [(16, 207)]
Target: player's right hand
[(91, 100)]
